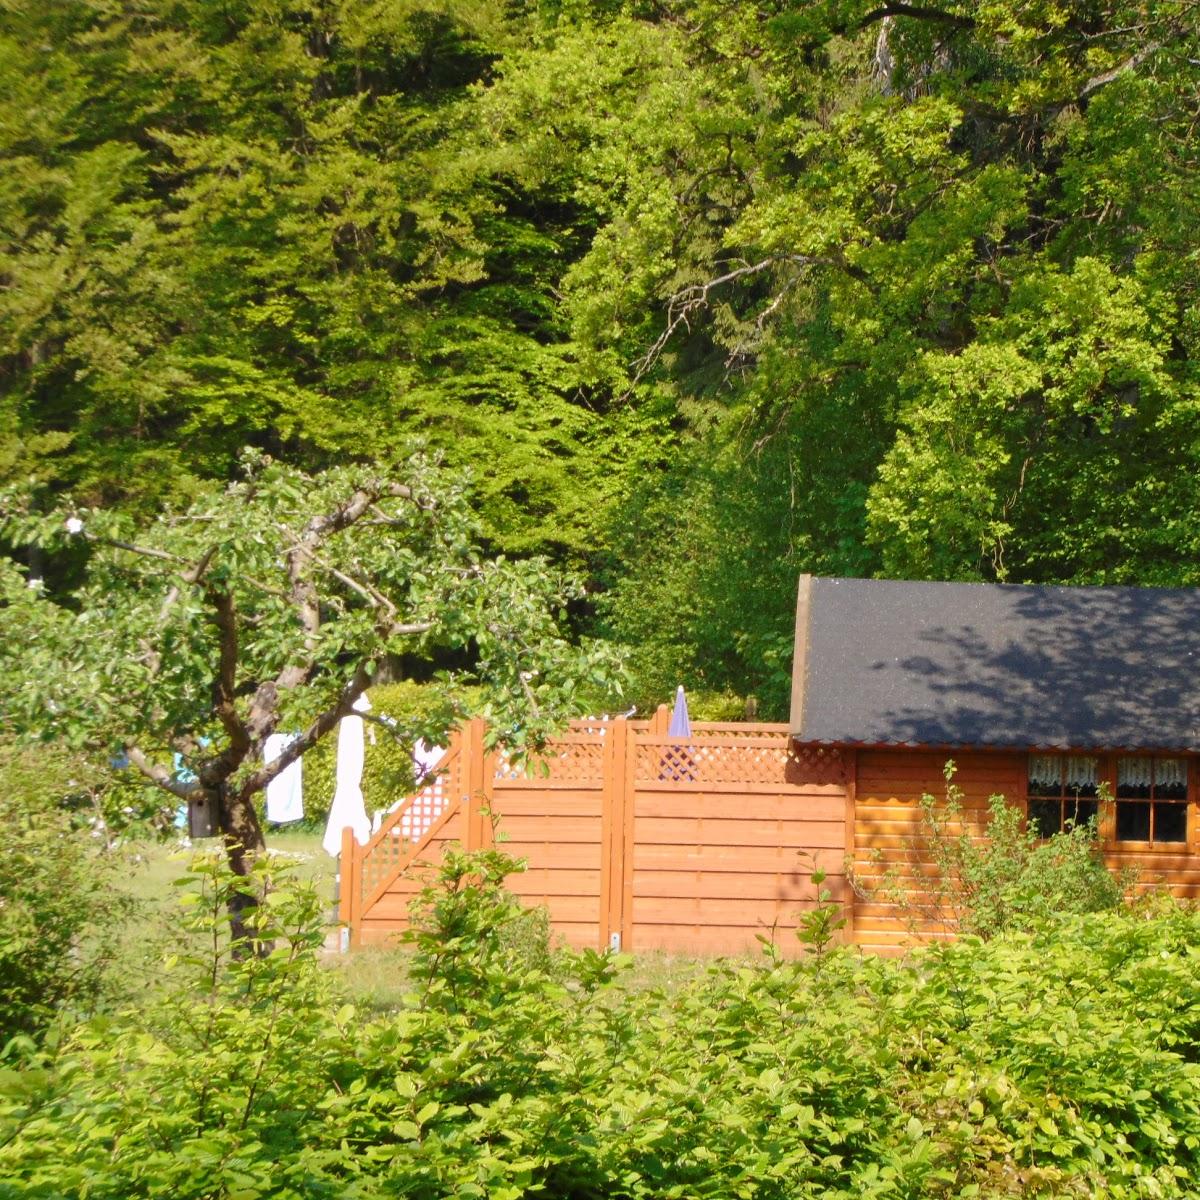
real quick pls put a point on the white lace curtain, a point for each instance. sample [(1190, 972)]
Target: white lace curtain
[(1082, 773), (1139, 772), (1047, 771)]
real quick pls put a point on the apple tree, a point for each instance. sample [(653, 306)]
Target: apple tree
[(270, 604)]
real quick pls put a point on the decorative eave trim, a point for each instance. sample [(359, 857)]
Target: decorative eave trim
[(800, 652)]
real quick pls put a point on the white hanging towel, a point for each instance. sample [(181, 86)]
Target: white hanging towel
[(285, 793), (348, 807)]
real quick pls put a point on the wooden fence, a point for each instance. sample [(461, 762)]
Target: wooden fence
[(632, 838)]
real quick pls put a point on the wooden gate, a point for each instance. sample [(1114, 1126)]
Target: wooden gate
[(631, 838)]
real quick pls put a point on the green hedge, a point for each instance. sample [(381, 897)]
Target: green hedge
[(1061, 1062)]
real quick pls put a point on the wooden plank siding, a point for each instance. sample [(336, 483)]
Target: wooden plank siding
[(697, 847), (635, 839), (892, 869)]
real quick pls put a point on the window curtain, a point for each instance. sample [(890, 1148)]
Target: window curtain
[(1136, 772), (1170, 772), (1082, 774), (1045, 771)]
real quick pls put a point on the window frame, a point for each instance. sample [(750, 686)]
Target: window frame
[(1159, 847), (1106, 820), (1064, 798)]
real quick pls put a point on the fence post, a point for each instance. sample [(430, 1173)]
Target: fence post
[(628, 770), (350, 896), (487, 793), (661, 721), (613, 802), (478, 788)]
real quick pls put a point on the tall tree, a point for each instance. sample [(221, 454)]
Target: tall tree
[(259, 225), (938, 254), (268, 605)]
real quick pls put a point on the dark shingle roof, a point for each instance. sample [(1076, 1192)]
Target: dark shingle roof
[(885, 662)]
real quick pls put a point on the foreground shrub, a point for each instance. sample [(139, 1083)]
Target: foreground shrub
[(1061, 1062), (58, 917), (1000, 875)]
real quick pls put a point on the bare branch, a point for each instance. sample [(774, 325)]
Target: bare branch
[(326, 721), (372, 595), (159, 775), (918, 13), (689, 301), (260, 722), (1130, 64), (192, 575), (402, 629)]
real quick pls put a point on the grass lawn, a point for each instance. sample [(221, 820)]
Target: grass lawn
[(154, 866), (375, 977)]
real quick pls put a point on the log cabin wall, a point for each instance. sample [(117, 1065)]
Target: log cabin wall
[(892, 868)]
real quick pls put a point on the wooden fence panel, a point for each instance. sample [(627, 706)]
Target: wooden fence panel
[(712, 871), (552, 817), (631, 838)]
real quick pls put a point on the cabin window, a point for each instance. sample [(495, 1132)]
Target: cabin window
[(1152, 795), (1063, 791)]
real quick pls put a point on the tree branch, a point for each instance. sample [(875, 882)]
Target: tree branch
[(915, 11), (225, 682), (159, 775), (191, 576), (402, 629), (686, 302), (326, 721), (134, 548), (1130, 64), (303, 551)]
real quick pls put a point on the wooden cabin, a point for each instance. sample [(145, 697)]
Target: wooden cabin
[(1072, 702)]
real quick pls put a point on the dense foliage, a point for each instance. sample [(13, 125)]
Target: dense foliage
[(703, 293), (269, 605), (58, 913), (1054, 1063)]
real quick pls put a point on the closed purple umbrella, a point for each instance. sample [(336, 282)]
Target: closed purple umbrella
[(677, 762), (680, 726)]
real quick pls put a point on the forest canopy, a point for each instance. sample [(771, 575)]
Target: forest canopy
[(701, 294)]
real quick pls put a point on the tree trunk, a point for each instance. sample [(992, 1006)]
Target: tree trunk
[(243, 838)]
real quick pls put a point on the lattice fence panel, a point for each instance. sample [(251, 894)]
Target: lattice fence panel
[(575, 758), (756, 760), (406, 825), (818, 765)]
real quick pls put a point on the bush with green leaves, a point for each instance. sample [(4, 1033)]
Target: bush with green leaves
[(58, 915), (1000, 875), (1060, 1062)]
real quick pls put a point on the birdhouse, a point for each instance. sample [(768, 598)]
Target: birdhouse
[(201, 818)]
